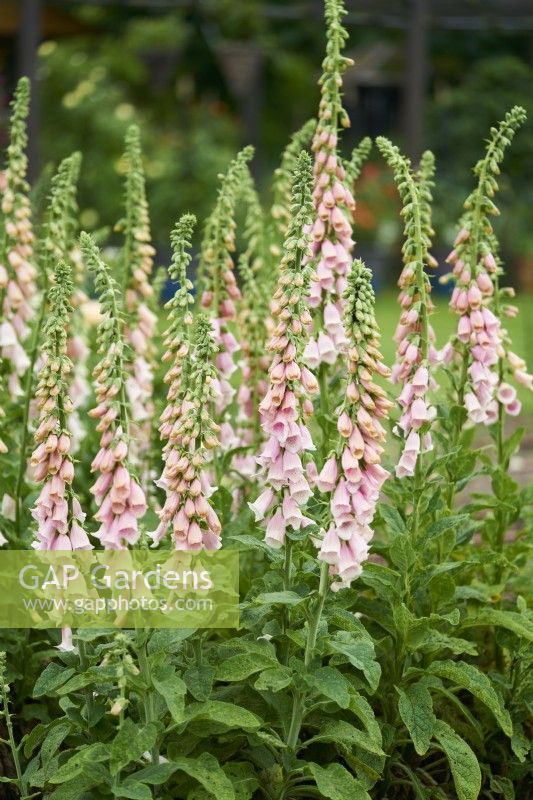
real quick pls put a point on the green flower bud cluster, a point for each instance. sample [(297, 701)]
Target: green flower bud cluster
[(282, 183), (216, 264), (178, 333), (414, 190), (60, 225), (137, 252), (110, 372), (334, 65)]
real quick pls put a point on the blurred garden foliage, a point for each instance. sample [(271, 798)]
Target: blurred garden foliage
[(166, 72)]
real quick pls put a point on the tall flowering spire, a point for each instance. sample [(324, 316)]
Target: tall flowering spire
[(17, 271), (191, 433), (282, 182), (254, 264), (353, 474), (54, 246), (414, 335), (220, 290), (476, 272), (120, 499), (57, 510), (286, 404), (178, 334), (141, 322), (332, 242)]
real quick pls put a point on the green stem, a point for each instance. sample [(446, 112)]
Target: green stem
[(298, 708), (84, 663), (457, 427), (12, 744), (286, 614), (324, 410), (148, 699)]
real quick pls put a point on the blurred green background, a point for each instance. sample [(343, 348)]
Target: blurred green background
[(203, 77)]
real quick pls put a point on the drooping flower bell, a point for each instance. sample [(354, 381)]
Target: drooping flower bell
[(352, 474), (57, 510), (17, 270), (287, 404), (414, 334), (118, 495)]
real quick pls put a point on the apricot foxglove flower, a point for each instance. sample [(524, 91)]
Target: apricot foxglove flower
[(17, 270), (352, 474), (414, 334), (286, 404), (191, 434), (57, 510), (119, 497)]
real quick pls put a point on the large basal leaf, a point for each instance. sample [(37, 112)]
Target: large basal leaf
[(75, 765), (240, 667), (226, 714), (416, 710), (273, 680), (360, 654), (361, 708), (331, 683), (336, 783), (477, 683), (131, 742), (511, 620), (342, 733), (51, 678), (205, 769), (463, 762), (171, 687)]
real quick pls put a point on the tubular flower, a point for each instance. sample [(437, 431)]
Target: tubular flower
[(191, 436), (331, 231), (17, 272), (477, 297), (221, 291), (414, 335), (353, 475), (286, 403), (120, 499), (141, 322), (57, 510)]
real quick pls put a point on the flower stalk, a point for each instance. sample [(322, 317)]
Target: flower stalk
[(119, 497)]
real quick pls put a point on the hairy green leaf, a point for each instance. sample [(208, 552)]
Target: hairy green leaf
[(416, 710), (463, 762)]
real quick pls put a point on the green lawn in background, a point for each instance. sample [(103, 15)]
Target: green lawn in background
[(444, 322)]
